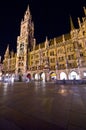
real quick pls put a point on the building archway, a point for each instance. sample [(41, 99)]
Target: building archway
[(74, 75), (29, 75), (42, 76), (36, 76), (53, 76), (33, 76), (63, 76)]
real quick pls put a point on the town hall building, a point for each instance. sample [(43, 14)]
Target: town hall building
[(62, 57)]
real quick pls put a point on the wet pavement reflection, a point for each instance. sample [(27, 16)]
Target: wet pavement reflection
[(44, 104)]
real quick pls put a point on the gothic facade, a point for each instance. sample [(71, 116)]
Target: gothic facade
[(24, 42), (62, 57)]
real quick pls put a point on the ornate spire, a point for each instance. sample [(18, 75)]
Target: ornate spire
[(63, 38), (27, 13), (84, 10), (79, 22), (71, 24), (55, 41), (28, 8), (7, 50), (46, 42), (46, 39)]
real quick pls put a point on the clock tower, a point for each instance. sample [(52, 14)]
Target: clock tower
[(24, 42)]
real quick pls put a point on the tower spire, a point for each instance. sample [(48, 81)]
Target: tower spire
[(79, 22), (71, 24), (84, 10), (46, 42), (63, 38), (28, 8), (7, 50), (27, 13), (26, 32)]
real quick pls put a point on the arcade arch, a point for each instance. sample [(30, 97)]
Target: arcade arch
[(42, 76), (52, 75), (39, 76), (74, 75), (63, 76)]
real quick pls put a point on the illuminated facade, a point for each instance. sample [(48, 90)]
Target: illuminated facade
[(9, 61), (62, 57), (24, 42)]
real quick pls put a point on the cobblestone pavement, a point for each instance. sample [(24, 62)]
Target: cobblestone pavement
[(42, 106)]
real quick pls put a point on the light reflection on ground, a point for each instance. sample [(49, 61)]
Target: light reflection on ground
[(63, 91), (49, 102), (5, 87)]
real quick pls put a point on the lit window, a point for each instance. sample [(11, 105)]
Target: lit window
[(84, 74)]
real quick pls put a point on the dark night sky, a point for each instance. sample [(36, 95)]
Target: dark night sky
[(51, 18)]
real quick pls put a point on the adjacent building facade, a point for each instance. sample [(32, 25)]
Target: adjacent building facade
[(62, 57)]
